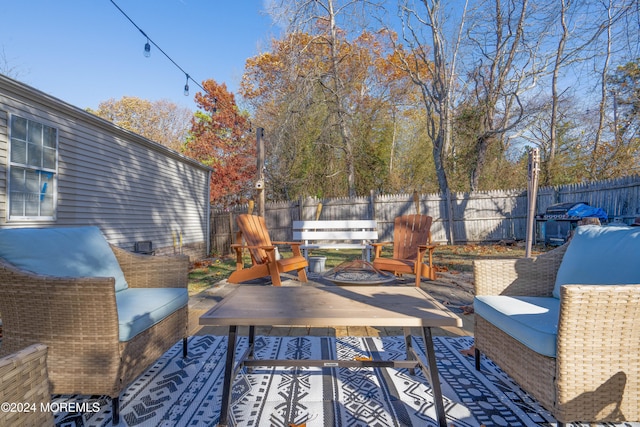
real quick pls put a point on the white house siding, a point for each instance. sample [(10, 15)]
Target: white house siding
[(132, 188)]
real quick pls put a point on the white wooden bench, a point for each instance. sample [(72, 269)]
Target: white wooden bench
[(345, 234)]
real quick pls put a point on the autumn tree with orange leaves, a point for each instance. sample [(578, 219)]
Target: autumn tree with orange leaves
[(326, 142), (221, 138)]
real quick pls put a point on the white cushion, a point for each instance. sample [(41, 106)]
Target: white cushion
[(600, 255), (531, 320)]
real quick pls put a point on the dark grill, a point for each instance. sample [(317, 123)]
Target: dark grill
[(555, 225)]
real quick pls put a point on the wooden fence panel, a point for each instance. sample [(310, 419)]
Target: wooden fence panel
[(477, 217), (279, 217)]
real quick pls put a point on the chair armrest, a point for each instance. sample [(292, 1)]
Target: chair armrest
[(153, 271), (522, 276), (24, 379), (426, 249), (295, 247), (78, 313), (429, 246), (377, 248), (265, 247), (598, 332)]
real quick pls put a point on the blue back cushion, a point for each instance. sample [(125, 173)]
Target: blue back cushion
[(61, 252), (601, 256)]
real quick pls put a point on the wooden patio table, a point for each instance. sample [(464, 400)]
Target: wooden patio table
[(329, 306)]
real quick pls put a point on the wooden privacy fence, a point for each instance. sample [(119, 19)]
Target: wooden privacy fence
[(486, 216)]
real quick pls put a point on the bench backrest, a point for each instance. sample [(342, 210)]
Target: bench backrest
[(335, 230)]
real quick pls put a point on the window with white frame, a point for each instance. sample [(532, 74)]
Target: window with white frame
[(33, 168)]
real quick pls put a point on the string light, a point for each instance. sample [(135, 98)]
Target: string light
[(147, 51)]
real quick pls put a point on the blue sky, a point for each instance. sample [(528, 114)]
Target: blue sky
[(85, 51)]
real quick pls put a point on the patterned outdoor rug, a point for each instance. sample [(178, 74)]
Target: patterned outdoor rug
[(177, 391)]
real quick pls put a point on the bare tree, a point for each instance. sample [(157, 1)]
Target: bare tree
[(6, 66), (431, 64), (507, 67), (557, 65)]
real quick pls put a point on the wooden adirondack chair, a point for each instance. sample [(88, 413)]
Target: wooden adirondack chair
[(411, 242), (263, 253)]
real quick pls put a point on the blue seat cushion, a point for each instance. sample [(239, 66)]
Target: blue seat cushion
[(600, 255), (61, 252), (531, 320), (141, 308)]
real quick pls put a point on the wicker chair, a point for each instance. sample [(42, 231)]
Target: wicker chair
[(24, 380), (595, 376), (78, 321)]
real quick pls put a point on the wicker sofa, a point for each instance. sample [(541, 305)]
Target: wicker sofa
[(24, 380), (105, 314), (566, 324)]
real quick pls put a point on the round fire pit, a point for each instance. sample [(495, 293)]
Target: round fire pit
[(358, 272)]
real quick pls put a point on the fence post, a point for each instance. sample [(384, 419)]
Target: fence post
[(372, 204), (301, 208), (231, 237)]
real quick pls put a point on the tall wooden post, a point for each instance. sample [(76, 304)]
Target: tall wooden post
[(260, 184), (532, 195)]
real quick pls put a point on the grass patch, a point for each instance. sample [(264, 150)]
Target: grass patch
[(206, 273), (459, 258)]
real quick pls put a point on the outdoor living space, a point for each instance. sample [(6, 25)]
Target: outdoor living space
[(177, 390), (320, 213)]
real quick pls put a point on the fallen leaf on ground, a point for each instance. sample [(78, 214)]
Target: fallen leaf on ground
[(471, 351), (467, 309)]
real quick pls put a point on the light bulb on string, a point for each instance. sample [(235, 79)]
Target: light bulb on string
[(147, 49)]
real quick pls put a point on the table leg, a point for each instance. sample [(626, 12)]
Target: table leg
[(228, 377), (435, 378), (252, 339)]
